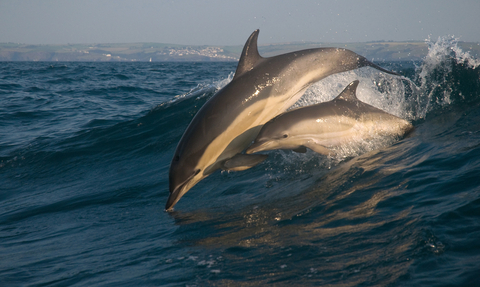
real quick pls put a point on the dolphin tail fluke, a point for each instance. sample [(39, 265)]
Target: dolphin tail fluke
[(366, 62), (243, 161)]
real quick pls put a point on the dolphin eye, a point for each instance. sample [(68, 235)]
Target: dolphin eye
[(285, 136), (176, 158), (197, 172)]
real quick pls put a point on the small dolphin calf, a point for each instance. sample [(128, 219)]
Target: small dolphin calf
[(261, 89), (322, 126)]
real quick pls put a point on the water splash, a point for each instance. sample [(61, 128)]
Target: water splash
[(447, 47), (222, 83), (447, 75), (200, 91), (438, 82)]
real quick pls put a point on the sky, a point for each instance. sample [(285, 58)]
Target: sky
[(222, 22)]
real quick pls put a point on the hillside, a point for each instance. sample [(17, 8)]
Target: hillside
[(378, 51)]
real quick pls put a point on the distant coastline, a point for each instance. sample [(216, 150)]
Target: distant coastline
[(156, 52)]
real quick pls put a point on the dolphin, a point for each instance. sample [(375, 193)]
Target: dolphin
[(320, 127), (261, 89)]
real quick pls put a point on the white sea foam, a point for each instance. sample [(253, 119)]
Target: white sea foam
[(223, 82), (378, 89), (433, 75)]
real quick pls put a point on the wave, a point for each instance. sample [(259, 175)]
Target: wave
[(447, 78), (76, 168)]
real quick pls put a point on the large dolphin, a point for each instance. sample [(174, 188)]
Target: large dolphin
[(320, 127), (261, 89)]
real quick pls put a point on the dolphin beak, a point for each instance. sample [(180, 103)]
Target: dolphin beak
[(258, 146), (178, 190), (173, 198)]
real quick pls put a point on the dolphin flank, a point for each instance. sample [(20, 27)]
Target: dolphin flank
[(261, 89), (322, 126)]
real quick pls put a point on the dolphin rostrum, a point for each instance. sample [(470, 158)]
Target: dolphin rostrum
[(320, 127), (261, 89)]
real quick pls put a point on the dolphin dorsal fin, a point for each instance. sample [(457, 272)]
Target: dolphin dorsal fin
[(349, 93), (250, 56)]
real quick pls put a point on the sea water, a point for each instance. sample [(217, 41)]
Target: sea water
[(85, 150)]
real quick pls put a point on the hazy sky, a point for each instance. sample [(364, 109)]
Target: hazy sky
[(223, 22)]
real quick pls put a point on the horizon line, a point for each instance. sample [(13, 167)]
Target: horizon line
[(200, 45)]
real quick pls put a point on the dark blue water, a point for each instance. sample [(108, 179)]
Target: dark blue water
[(84, 155)]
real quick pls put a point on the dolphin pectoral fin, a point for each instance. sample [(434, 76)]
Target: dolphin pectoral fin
[(300, 149), (319, 149), (243, 161)]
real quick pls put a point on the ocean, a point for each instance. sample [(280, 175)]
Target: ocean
[(85, 150)]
